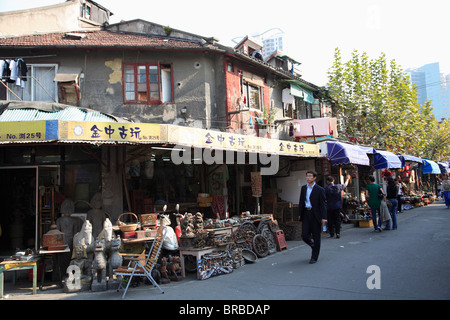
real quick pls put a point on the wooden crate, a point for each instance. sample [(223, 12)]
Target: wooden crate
[(129, 234), (149, 219), (140, 234), (365, 223), (220, 231)]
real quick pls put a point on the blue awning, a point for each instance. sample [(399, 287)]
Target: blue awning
[(343, 153), (430, 166), (405, 157), (386, 160), (444, 166), (370, 150)]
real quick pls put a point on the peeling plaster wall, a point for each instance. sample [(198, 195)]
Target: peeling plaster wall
[(116, 66), (197, 80)]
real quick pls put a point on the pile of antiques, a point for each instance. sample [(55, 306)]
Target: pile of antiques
[(96, 248), (236, 240)]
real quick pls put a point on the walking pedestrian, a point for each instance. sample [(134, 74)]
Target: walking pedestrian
[(399, 182), (372, 191), (313, 213), (391, 195), (446, 191), (334, 194)]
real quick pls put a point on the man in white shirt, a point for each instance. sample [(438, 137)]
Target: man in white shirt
[(313, 213)]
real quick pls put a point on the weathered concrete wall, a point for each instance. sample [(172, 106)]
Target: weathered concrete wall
[(151, 28), (240, 122), (197, 81), (219, 111), (276, 102), (60, 17), (63, 17)]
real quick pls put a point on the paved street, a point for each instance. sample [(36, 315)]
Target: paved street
[(412, 262)]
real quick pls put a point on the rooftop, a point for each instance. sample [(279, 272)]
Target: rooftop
[(100, 38)]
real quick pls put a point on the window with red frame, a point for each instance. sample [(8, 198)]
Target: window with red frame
[(148, 83), (86, 11)]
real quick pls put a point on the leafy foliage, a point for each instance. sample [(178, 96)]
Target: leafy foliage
[(377, 106)]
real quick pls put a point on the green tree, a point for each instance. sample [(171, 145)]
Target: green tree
[(377, 105), (438, 147)]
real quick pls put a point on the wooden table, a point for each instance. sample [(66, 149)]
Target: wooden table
[(57, 253), (197, 253), (15, 265), (136, 240)]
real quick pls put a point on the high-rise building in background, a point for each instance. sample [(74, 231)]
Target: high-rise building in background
[(271, 39), (434, 86)]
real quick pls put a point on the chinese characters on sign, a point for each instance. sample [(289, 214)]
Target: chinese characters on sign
[(150, 133), (250, 143), (122, 131), (106, 131), (212, 139)]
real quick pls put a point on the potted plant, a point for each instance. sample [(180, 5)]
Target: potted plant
[(268, 115)]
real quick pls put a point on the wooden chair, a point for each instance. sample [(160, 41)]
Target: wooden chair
[(142, 267)]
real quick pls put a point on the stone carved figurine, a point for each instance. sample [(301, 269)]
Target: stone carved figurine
[(114, 261), (66, 223), (187, 227), (96, 215), (174, 268), (83, 239), (107, 231), (198, 222), (171, 240), (99, 267), (163, 271), (78, 278)]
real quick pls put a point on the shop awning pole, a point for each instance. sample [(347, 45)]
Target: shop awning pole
[(124, 179)]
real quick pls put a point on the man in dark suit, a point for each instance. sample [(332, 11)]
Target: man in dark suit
[(313, 213)]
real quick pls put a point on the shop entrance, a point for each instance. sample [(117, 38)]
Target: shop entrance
[(19, 216)]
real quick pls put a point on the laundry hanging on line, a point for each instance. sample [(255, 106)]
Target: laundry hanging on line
[(14, 71)]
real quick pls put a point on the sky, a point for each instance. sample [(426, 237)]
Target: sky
[(411, 32)]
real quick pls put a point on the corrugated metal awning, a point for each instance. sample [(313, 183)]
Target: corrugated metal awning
[(65, 114)]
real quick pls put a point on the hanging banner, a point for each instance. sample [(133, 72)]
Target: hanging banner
[(91, 131), (202, 138), (112, 131)]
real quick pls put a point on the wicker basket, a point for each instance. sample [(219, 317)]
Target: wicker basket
[(126, 227)]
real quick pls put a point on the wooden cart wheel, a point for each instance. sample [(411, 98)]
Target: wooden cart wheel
[(270, 238), (260, 246)]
